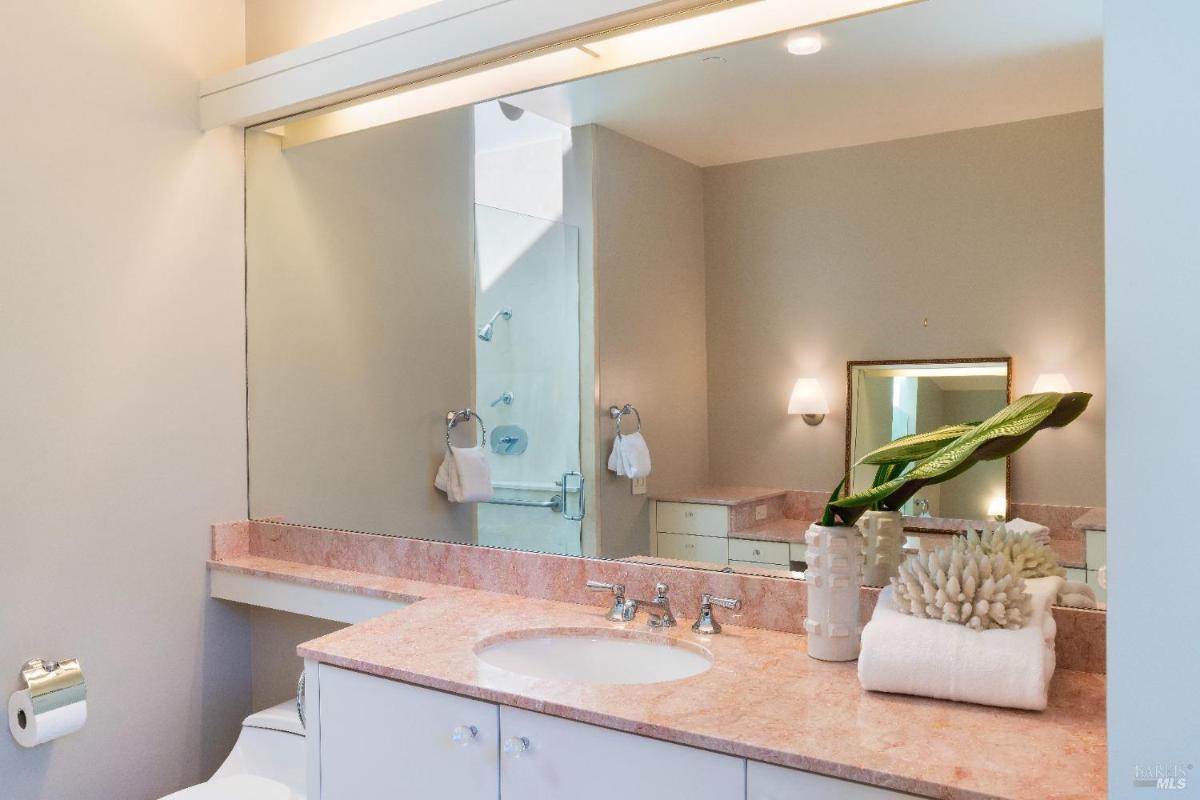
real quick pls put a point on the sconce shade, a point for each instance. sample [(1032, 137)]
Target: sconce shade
[(808, 399), (1052, 382), (997, 508)]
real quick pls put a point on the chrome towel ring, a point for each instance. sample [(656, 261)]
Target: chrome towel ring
[(465, 415), (617, 413)]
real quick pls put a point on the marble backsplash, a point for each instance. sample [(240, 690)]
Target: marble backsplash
[(775, 603)]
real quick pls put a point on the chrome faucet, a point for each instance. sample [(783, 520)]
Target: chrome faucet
[(658, 609), (706, 624)]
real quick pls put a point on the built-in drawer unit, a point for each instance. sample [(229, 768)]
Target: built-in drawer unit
[(769, 782), (694, 518), (686, 547), (775, 553), (1096, 548)]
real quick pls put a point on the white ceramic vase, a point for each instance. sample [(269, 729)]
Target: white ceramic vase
[(883, 538), (833, 576)]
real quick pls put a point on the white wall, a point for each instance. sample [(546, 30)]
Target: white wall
[(995, 235), (1152, 180), (274, 26), (121, 348)]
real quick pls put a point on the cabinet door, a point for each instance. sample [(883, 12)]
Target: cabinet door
[(386, 739), (565, 759), (769, 782), (693, 548)]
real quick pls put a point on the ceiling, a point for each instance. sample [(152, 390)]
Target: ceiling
[(934, 66)]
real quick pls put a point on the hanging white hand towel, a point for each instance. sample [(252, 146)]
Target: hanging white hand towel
[(630, 457), (465, 475), (912, 655)]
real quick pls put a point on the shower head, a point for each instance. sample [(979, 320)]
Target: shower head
[(486, 331)]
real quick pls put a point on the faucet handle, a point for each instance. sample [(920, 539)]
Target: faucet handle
[(660, 591), (620, 609), (706, 624)]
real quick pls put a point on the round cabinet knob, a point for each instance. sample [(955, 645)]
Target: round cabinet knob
[(463, 735), (516, 746), (689, 513), (757, 553)]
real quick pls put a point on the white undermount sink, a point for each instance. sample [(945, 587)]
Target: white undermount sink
[(588, 655)]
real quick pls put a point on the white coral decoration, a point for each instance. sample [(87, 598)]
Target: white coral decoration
[(964, 585), (1030, 558)]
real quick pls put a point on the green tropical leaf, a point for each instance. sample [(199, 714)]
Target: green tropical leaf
[(907, 449), (996, 437)]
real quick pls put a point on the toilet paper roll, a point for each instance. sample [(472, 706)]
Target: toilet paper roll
[(31, 727)]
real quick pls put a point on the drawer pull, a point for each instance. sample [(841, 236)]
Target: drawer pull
[(463, 735), (516, 746)]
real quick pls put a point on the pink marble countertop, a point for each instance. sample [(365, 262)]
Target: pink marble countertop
[(763, 699), (1094, 520), (721, 495), (790, 531)]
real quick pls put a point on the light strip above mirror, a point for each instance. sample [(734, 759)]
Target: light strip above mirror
[(665, 38)]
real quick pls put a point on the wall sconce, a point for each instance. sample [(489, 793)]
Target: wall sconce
[(997, 508), (808, 400), (1052, 382)]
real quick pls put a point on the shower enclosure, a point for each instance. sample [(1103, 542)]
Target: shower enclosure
[(527, 380)]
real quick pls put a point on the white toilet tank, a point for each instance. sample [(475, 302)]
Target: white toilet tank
[(266, 763)]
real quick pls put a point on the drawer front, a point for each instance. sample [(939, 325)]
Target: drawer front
[(769, 782), (1097, 549), (693, 518), (693, 548), (1093, 580), (759, 552), (761, 569), (798, 551), (1077, 575)]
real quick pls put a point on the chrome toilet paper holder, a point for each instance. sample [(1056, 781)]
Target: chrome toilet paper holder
[(53, 684)]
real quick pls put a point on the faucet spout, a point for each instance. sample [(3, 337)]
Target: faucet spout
[(658, 609)]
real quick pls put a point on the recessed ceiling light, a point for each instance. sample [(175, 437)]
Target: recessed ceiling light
[(804, 43)]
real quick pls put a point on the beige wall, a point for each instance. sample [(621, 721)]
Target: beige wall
[(650, 324), (121, 347), (995, 235), (361, 327), (275, 667), (273, 26)]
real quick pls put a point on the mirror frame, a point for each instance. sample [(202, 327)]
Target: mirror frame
[(850, 367)]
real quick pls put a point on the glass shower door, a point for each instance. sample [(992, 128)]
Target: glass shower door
[(527, 380)]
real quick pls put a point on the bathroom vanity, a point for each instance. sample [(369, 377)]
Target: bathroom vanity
[(410, 704)]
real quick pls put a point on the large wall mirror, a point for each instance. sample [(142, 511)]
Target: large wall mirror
[(688, 238)]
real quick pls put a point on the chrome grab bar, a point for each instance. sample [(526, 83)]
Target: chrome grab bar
[(553, 503), (565, 486)]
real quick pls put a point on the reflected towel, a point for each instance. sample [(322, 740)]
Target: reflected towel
[(630, 456), (912, 655), (465, 475)]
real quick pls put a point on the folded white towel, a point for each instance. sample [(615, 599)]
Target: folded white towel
[(465, 475), (1039, 533), (904, 654), (630, 457)]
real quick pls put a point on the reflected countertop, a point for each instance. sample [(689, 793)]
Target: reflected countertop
[(720, 495)]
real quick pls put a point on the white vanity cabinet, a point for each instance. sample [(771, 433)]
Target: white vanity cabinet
[(377, 738), (385, 739), (585, 762), (769, 782)]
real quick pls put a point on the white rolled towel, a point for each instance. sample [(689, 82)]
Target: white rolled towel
[(1039, 533), (903, 654), (465, 475), (630, 457)]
